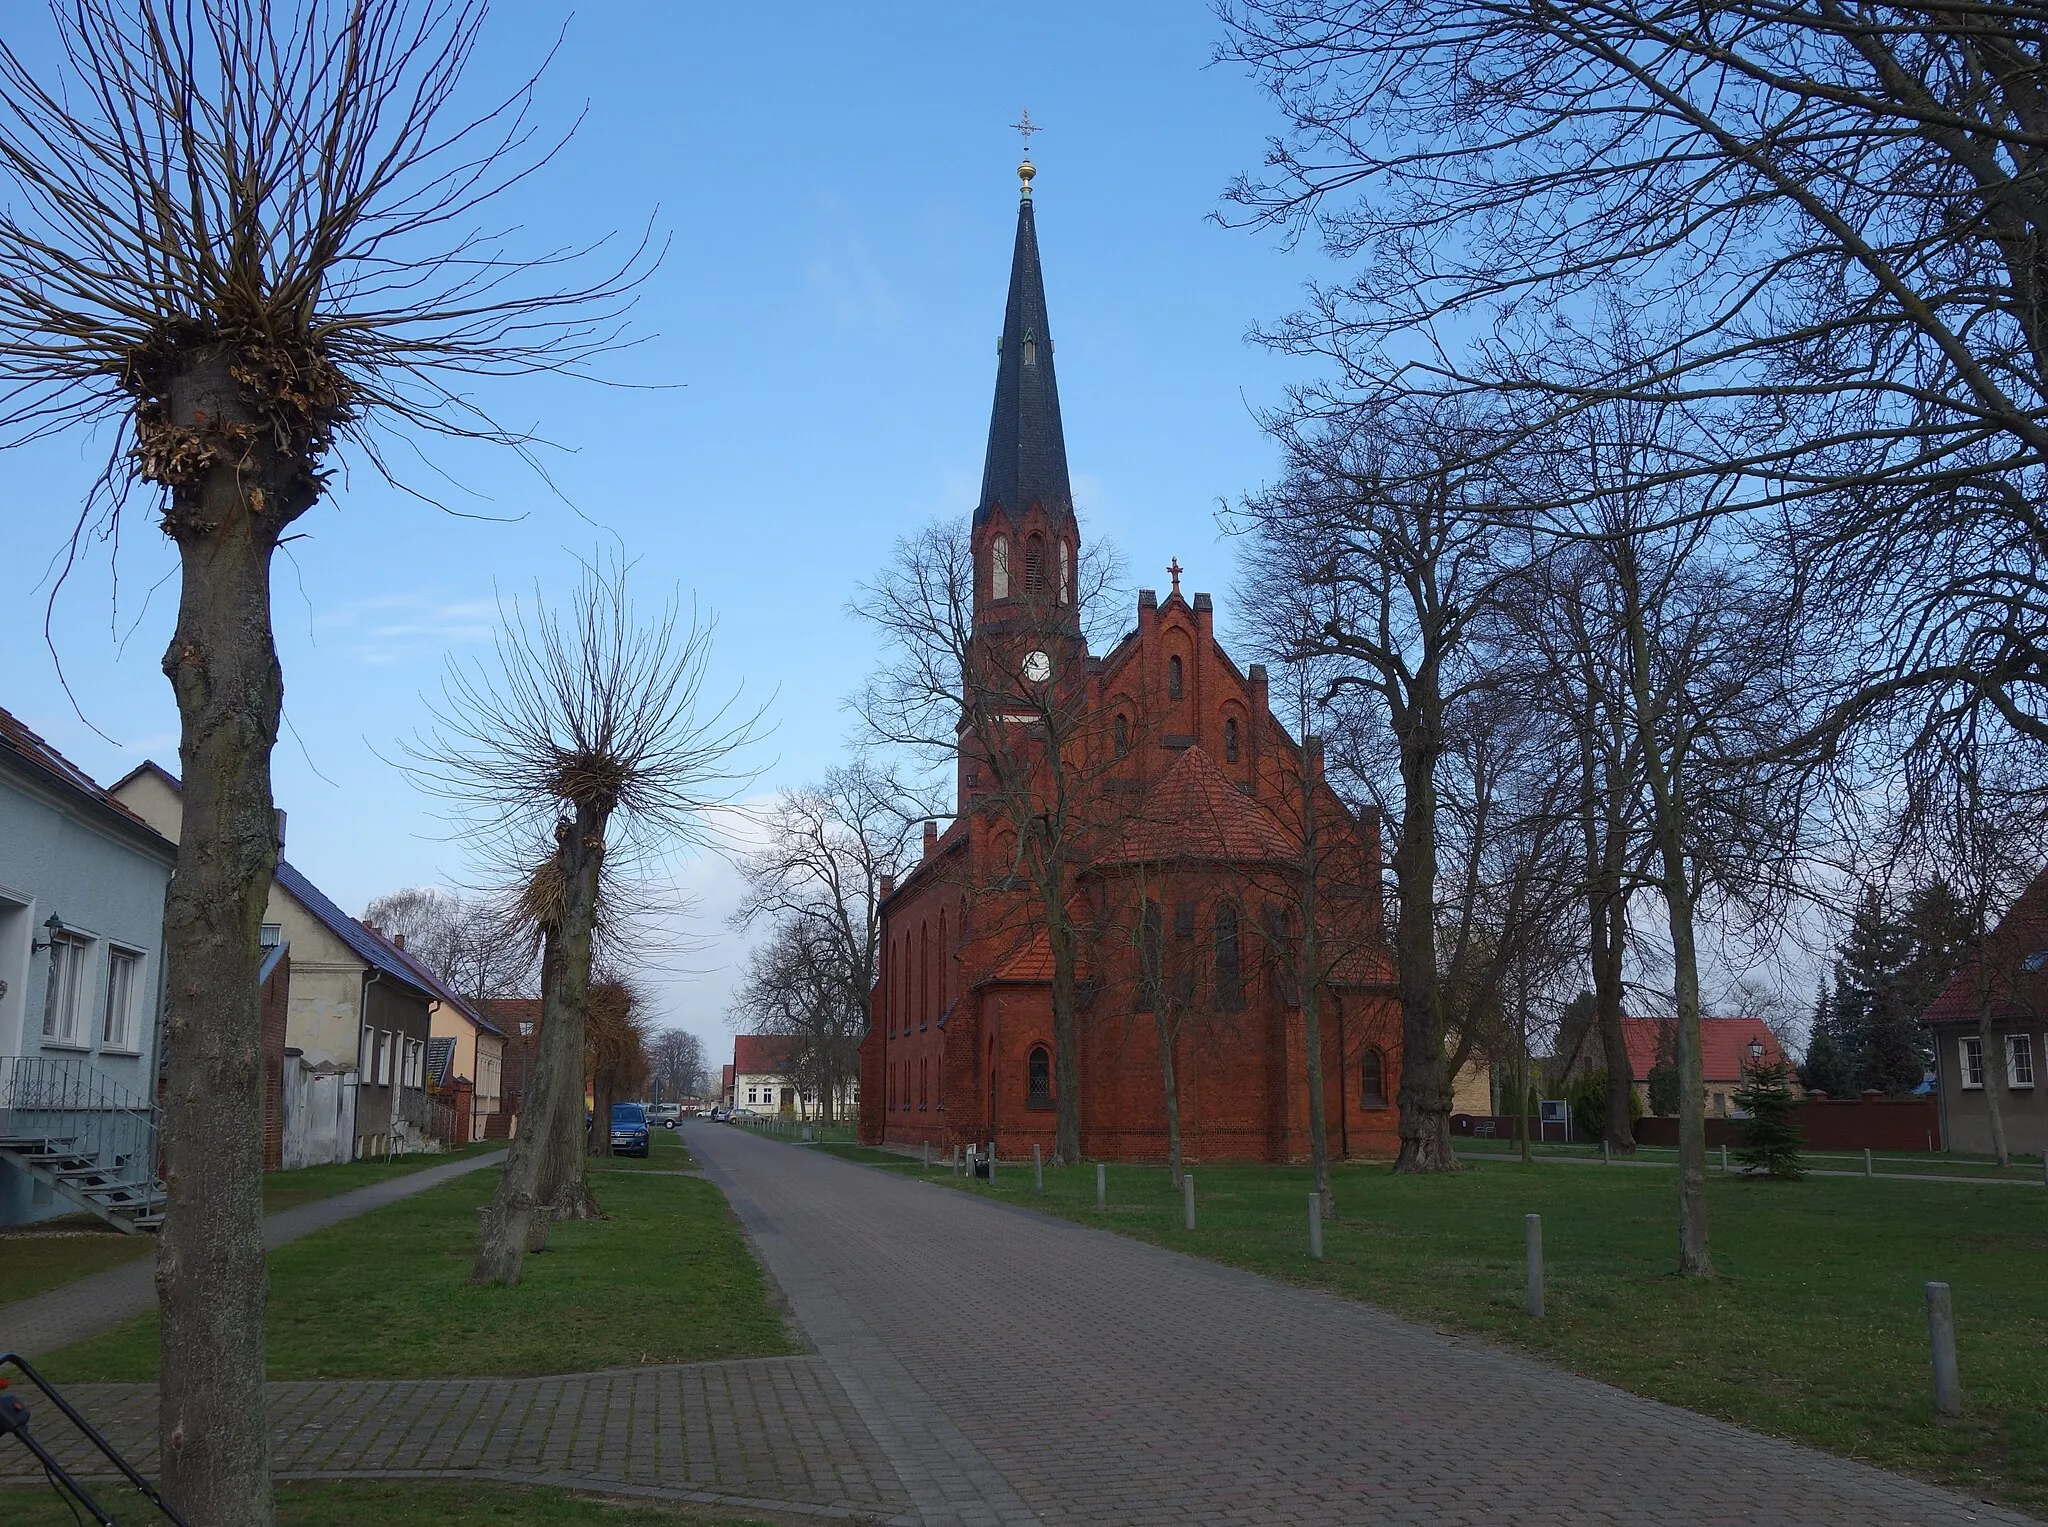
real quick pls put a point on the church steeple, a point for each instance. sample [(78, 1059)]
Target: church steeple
[(1027, 450)]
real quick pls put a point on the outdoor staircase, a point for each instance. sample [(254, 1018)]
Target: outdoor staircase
[(70, 1126)]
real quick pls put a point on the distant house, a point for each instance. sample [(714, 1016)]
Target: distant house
[(760, 1078), (725, 1086), (82, 882), (1729, 1049), (357, 1022), (465, 1054), (2007, 981)]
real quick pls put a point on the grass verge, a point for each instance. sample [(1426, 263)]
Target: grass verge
[(51, 1253), (395, 1503), (666, 1278), (1815, 1329)]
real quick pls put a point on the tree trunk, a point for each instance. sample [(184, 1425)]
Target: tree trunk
[(1425, 1091), (222, 664), (1607, 917), (1311, 986), (564, 1183), (1059, 932), (1992, 1060), (1522, 1069), (515, 1221), (1169, 1075), (598, 1141)]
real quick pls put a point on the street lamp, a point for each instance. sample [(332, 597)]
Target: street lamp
[(53, 925)]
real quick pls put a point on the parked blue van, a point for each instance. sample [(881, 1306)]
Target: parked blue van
[(629, 1129)]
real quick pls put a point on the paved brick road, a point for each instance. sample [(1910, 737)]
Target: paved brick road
[(1016, 1368)]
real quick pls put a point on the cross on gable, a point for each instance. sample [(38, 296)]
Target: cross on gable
[(1173, 571)]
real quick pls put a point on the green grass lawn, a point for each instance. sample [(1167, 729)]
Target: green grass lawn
[(396, 1503), (42, 1256), (1816, 1328), (1901, 1164), (666, 1278)]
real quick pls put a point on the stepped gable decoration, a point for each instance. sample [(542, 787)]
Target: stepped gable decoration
[(1190, 849)]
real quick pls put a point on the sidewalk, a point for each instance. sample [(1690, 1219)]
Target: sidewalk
[(37, 1326)]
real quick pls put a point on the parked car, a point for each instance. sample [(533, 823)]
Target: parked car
[(664, 1114), (629, 1129), (720, 1115)]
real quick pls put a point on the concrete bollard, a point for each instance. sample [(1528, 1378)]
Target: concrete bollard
[(1101, 1186), (1724, 1158), (1315, 1226), (1941, 1342), (1867, 1168), (1187, 1198), (1038, 1170), (924, 1154), (1532, 1233), (1606, 1154), (991, 1163)]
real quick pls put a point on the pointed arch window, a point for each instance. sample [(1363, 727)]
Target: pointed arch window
[(1123, 736), (1229, 965), (1066, 573), (999, 567), (1230, 741), (1039, 1078), (1151, 956), (1174, 686), (1034, 565), (1372, 1080)]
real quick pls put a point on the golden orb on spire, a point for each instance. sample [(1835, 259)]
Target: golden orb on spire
[(1025, 172)]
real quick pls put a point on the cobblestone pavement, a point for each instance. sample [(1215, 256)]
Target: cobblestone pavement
[(769, 1434), (89, 1306), (1016, 1368)]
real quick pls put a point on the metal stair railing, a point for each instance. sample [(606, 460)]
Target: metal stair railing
[(91, 1138)]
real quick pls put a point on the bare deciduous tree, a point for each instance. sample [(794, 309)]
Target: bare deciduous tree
[(240, 232), (592, 732), (474, 944), (676, 1058)]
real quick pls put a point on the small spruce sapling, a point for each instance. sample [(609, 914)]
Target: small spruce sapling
[(1771, 1142)]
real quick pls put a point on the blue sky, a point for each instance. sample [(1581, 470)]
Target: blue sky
[(838, 183)]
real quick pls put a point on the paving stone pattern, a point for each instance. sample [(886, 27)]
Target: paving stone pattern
[(1018, 1368), (89, 1306)]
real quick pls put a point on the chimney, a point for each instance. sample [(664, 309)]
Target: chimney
[(1261, 706), (1314, 747), (1205, 617), (1148, 611), (398, 941), (931, 835), (278, 812), (888, 885)]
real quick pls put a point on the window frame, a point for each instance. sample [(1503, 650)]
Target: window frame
[(70, 986), (1176, 678), (1227, 973), (129, 1040), (1970, 1062), (999, 567), (1037, 1068), (1377, 1073), (1230, 743), (2018, 1048)]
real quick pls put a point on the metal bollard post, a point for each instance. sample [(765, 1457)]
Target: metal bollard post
[(1941, 1342), (1315, 1226), (1532, 1229), (1867, 1172), (991, 1163), (1101, 1186), (924, 1154), (1606, 1154), (1187, 1198), (1038, 1170), (1724, 1158)]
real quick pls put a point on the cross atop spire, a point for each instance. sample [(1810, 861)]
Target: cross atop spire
[(1173, 571), (1027, 127)]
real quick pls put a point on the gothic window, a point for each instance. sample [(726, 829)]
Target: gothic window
[(999, 568), (1230, 741), (1229, 969), (1151, 956), (1066, 573), (1173, 683), (1034, 565), (1123, 736), (1184, 959), (1280, 944), (1040, 1074), (1372, 1080), (924, 1078)]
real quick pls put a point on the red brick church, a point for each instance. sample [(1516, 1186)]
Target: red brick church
[(1206, 850)]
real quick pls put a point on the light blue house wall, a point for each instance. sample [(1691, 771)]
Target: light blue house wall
[(66, 850)]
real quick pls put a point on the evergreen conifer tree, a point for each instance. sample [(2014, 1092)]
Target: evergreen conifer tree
[(1829, 1066), (1771, 1142)]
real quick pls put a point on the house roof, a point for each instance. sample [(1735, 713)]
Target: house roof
[(434, 985), (374, 952), (1195, 812), (761, 1054), (2012, 966), (440, 1059), (33, 756), (1724, 1045)]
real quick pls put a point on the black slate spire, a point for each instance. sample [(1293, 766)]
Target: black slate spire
[(1027, 451)]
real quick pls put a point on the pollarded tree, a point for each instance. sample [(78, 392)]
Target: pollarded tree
[(591, 732), (242, 233)]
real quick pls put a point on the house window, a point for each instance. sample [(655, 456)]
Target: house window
[(1229, 970), (271, 935), (1372, 1079), (64, 1017), (2019, 1060), (1973, 1064), (525, 1030), (1720, 1105), (1230, 741), (1151, 956), (1040, 1073), (1173, 678), (124, 990), (999, 567)]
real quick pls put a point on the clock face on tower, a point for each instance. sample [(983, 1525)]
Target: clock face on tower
[(1037, 667)]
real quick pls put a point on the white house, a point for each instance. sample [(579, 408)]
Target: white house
[(82, 882)]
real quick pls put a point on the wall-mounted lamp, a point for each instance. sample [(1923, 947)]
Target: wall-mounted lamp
[(53, 925)]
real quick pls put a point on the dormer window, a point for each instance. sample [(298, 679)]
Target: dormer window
[(1173, 679), (999, 568), (1030, 348)]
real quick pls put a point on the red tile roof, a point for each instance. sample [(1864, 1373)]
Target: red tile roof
[(1724, 1045), (1195, 812), (761, 1054), (2018, 942)]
